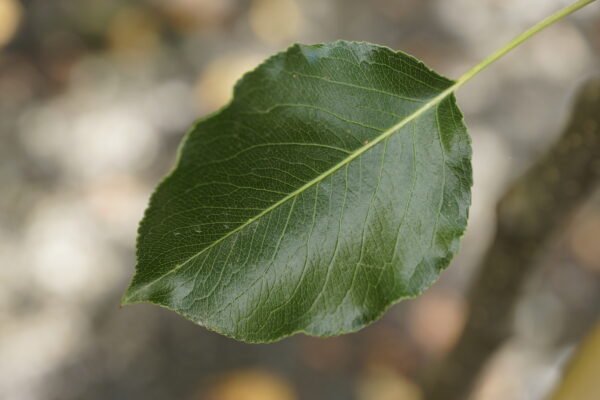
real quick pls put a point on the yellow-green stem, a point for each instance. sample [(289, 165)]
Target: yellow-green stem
[(557, 16)]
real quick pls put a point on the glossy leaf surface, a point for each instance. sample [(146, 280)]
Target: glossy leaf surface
[(335, 183)]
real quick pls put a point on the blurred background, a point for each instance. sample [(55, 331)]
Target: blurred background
[(94, 98)]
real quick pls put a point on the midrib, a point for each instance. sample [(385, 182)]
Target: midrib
[(351, 157)]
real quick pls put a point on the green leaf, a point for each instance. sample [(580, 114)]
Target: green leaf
[(335, 183)]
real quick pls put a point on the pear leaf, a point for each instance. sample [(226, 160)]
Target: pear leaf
[(335, 183)]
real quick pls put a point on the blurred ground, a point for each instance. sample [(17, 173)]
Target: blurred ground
[(94, 98)]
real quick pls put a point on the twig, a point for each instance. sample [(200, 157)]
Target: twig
[(533, 209)]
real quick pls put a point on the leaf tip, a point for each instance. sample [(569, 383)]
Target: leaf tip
[(129, 297)]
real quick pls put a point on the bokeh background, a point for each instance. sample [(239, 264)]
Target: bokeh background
[(95, 96)]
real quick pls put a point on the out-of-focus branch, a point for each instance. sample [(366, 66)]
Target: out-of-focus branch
[(531, 211)]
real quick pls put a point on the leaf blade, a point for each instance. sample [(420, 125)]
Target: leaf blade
[(342, 135)]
